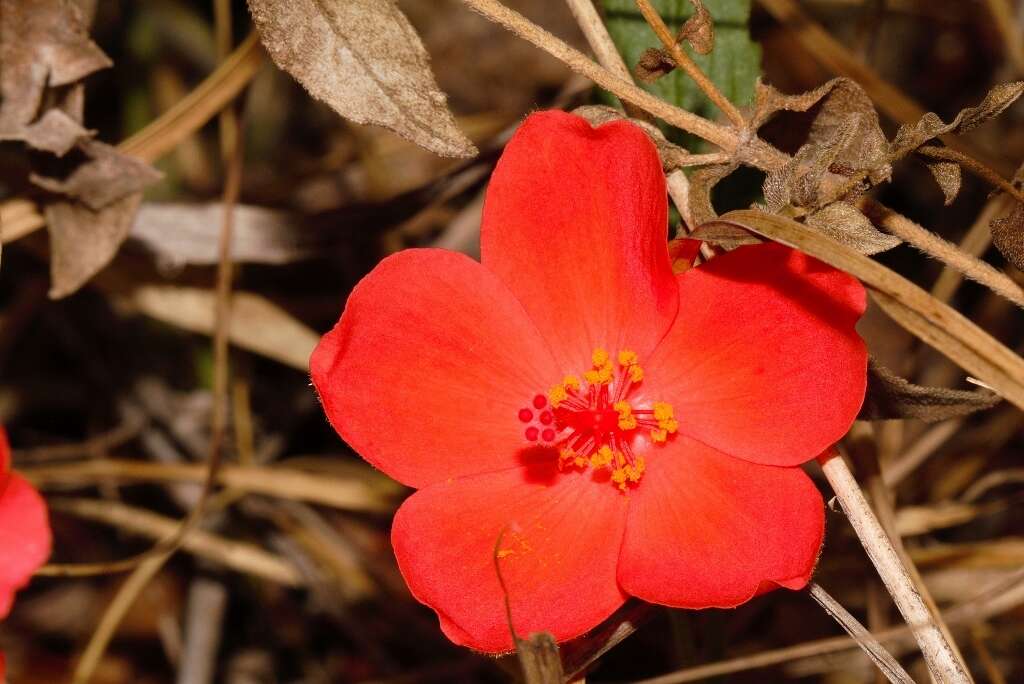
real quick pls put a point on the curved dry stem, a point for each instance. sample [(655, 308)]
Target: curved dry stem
[(940, 656)]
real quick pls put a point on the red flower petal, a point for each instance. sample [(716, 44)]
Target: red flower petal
[(709, 530), (24, 536), (763, 361), (426, 371), (575, 222), (558, 554)]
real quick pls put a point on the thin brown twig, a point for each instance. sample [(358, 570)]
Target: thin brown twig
[(684, 62)]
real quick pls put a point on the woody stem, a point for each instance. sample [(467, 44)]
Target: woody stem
[(939, 655)]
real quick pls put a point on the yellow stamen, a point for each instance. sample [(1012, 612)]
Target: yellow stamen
[(662, 411), (599, 376), (557, 395), (571, 382), (636, 373), (599, 357), (602, 457), (659, 436), (622, 407), (669, 425), (627, 422), (627, 357)]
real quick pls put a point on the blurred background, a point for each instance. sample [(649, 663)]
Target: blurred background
[(107, 392)]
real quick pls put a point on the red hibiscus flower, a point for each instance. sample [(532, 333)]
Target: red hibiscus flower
[(24, 530), (625, 431)]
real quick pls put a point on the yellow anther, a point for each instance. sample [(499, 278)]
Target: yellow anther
[(659, 436), (619, 477), (662, 411), (622, 407), (566, 454), (580, 462), (571, 382), (557, 395), (602, 457), (669, 425), (627, 357), (627, 422), (599, 376), (636, 373), (599, 357)]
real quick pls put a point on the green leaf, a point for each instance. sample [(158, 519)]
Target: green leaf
[(734, 64)]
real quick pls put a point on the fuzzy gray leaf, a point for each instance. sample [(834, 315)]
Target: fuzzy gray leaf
[(891, 397), (1008, 235), (365, 60), (947, 174), (909, 137), (847, 226)]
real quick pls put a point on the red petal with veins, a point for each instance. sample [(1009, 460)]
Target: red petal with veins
[(24, 530), (558, 554), (575, 222), (426, 371), (709, 530), (763, 361)]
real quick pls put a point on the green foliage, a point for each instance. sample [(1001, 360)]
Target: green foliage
[(734, 64)]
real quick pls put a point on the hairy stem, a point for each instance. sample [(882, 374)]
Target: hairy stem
[(946, 252)]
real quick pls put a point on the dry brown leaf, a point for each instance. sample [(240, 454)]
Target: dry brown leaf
[(43, 43), (845, 139), (909, 137), (699, 29), (891, 397), (109, 176), (947, 174), (365, 60), (55, 132), (846, 225), (653, 64), (83, 241), (1008, 235)]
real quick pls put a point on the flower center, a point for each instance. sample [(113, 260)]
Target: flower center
[(594, 424)]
